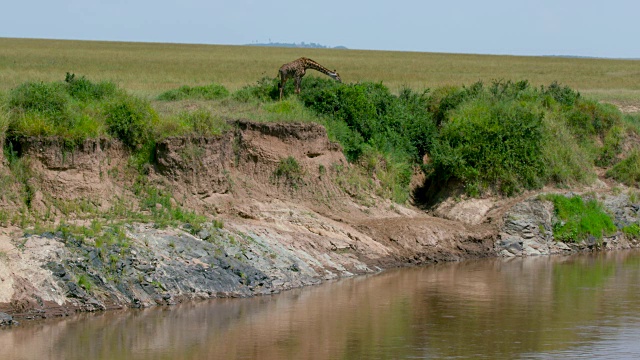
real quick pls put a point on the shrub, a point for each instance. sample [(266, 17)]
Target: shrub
[(563, 95), (84, 90), (489, 142), (290, 171), (612, 146), (509, 90), (266, 89), (130, 119), (77, 109), (361, 106), (444, 99), (44, 99), (368, 114), (200, 122), (566, 164), (417, 125), (204, 123), (589, 118), (393, 175), (208, 92), (627, 171)]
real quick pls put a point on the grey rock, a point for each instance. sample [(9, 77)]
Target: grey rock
[(6, 319)]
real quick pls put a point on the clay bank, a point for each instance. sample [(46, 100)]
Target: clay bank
[(281, 210)]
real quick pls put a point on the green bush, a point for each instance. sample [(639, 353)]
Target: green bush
[(130, 119), (491, 143), (509, 90), (266, 89), (590, 118), (627, 171), (204, 123), (368, 114), (563, 95), (208, 92), (416, 124), (612, 146), (46, 109), (506, 136), (364, 107), (44, 99), (84, 90), (200, 122), (290, 171), (444, 99), (393, 175), (577, 220), (567, 164), (77, 109), (632, 231)]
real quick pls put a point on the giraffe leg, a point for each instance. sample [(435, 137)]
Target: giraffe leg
[(281, 86), (298, 81)]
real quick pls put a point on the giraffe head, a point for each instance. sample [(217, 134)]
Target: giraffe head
[(335, 76)]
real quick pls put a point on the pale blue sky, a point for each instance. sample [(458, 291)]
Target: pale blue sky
[(542, 27)]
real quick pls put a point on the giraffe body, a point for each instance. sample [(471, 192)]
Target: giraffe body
[(298, 68)]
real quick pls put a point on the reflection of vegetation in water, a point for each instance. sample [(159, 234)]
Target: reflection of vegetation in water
[(384, 335), (578, 286), (527, 310)]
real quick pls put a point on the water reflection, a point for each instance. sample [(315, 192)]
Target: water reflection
[(528, 308)]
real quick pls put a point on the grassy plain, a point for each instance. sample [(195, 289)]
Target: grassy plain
[(151, 68)]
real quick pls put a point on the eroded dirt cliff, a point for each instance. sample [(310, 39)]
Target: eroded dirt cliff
[(269, 228)]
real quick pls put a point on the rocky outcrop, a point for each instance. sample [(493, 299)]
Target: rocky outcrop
[(6, 319), (527, 227), (527, 230)]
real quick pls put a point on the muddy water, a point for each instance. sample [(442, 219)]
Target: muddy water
[(558, 307)]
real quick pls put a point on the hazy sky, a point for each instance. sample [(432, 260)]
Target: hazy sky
[(608, 28)]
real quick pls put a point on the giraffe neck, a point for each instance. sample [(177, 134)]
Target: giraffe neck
[(310, 64)]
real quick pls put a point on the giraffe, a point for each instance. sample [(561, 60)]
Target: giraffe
[(296, 70)]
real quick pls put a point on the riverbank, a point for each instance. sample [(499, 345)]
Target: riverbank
[(268, 227)]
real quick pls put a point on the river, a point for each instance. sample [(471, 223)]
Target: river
[(582, 306)]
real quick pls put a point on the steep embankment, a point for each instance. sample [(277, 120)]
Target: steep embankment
[(283, 211), (274, 223)]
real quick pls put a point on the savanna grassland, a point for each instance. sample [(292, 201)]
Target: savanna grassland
[(150, 68)]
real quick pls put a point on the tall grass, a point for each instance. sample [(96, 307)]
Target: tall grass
[(4, 120), (208, 92), (577, 219), (627, 171)]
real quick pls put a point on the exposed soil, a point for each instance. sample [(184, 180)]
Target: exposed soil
[(278, 232)]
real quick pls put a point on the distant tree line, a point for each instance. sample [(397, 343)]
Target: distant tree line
[(300, 45)]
